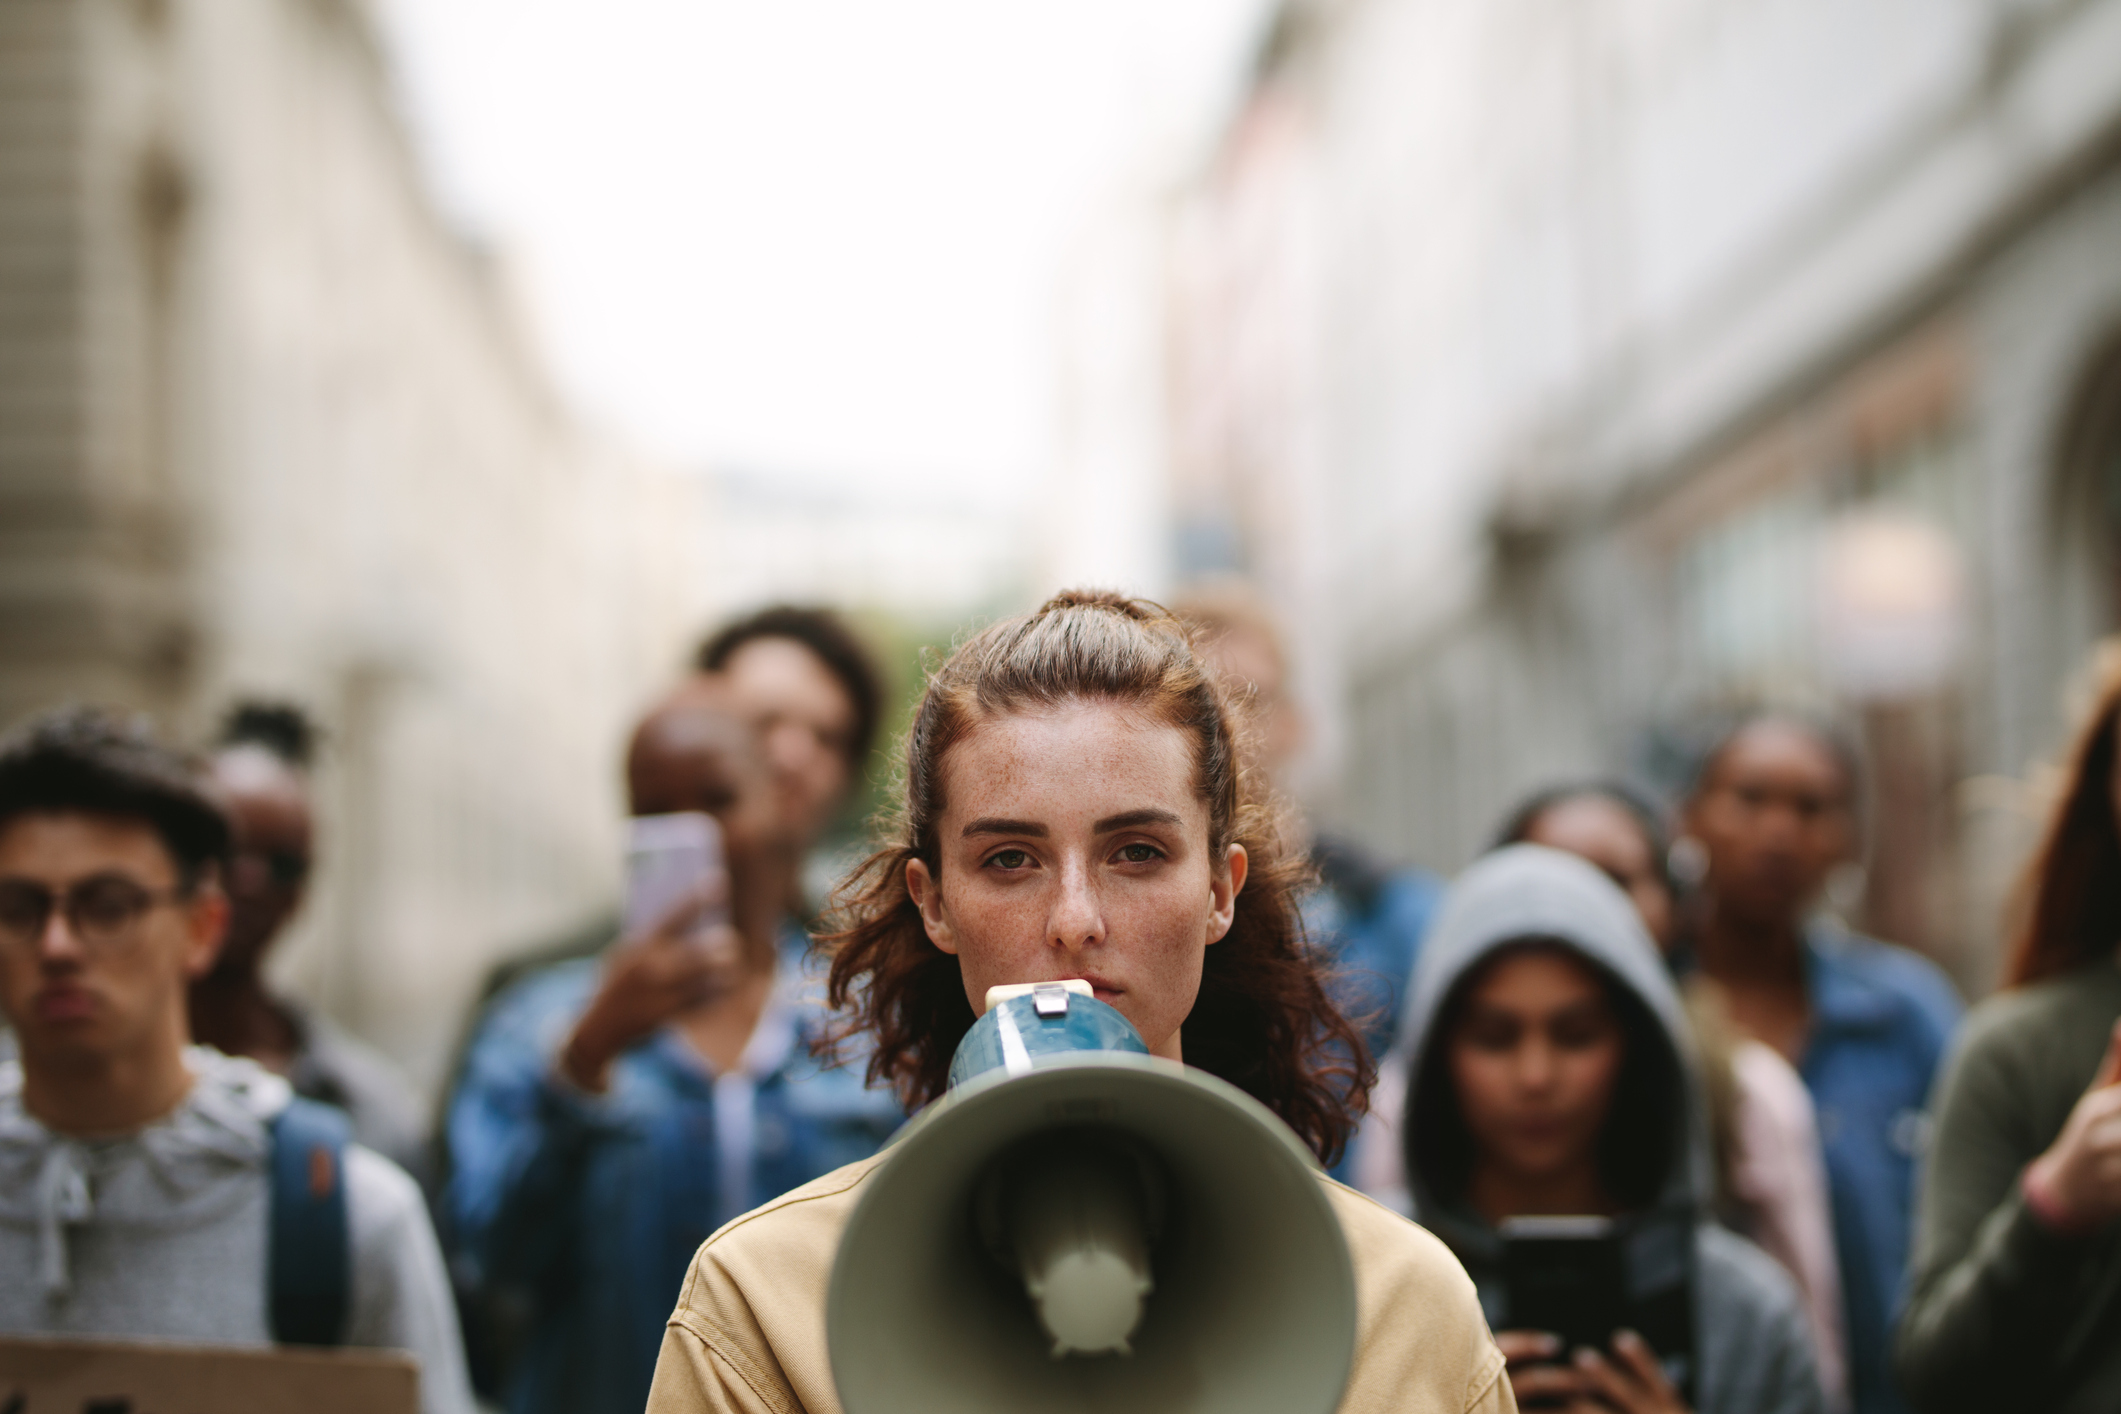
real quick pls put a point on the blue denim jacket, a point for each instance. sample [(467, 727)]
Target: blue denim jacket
[(1881, 1020), (593, 1205), (1368, 934), (1369, 944)]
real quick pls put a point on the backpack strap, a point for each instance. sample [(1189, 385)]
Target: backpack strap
[(311, 1258)]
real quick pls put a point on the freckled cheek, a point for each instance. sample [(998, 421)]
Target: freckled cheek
[(997, 935)]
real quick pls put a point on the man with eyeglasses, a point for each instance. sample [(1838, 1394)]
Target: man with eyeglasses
[(260, 774), (138, 1189)]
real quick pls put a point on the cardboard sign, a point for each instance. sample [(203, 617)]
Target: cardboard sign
[(107, 1377)]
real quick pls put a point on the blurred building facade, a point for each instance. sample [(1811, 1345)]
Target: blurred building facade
[(269, 427), (773, 537), (1561, 369)]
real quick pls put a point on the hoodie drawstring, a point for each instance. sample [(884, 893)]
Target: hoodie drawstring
[(62, 1200)]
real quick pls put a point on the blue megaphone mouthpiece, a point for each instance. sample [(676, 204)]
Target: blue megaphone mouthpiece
[(1043, 1019)]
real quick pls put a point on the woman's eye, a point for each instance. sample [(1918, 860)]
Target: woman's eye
[(1139, 853), (1011, 858), (1492, 1037)]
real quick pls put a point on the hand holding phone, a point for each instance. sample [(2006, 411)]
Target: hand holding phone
[(1545, 1375), (672, 861), (678, 951), (1569, 1347)]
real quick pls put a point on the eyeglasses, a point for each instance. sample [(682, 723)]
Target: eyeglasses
[(101, 911)]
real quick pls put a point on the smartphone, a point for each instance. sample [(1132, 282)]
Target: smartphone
[(1565, 1276), (670, 858), (1575, 1278)]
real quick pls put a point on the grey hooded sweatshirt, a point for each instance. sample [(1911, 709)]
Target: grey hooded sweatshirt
[(161, 1234), (1753, 1352)]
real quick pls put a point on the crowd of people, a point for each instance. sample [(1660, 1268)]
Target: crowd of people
[(1630, 1032)]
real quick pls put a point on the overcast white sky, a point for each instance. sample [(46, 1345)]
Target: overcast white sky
[(819, 237)]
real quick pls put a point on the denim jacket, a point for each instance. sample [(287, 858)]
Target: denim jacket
[(1368, 934), (1881, 1020), (590, 1207)]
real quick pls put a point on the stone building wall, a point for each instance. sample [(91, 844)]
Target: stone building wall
[(1609, 326), (271, 427)]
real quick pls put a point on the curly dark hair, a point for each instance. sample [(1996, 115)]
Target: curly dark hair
[(1262, 1020), (98, 761)]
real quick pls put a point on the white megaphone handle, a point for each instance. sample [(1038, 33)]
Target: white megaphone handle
[(1081, 1242)]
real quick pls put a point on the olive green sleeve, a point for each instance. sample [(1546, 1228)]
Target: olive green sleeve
[(1990, 1284)]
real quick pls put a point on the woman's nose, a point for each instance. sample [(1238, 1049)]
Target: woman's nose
[(1535, 1065), (1077, 921)]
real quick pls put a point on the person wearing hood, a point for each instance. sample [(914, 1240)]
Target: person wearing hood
[(137, 1198), (1551, 1076)]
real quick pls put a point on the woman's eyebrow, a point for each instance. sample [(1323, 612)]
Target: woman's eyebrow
[(1135, 817), (993, 826)]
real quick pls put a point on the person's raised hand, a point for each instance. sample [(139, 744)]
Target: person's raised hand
[(650, 980), (1539, 1376), (1631, 1383), (2076, 1184)]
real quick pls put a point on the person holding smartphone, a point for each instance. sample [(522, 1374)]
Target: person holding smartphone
[(1557, 1140), (614, 1110)]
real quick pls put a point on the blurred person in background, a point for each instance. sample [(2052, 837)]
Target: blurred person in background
[(1772, 812), (142, 1180), (1367, 917), (1770, 1175), (2016, 1296), (1550, 1074), (260, 773), (809, 689), (812, 693), (612, 1112)]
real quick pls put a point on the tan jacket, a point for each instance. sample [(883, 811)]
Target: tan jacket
[(748, 1336)]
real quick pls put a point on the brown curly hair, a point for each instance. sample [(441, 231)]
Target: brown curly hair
[(1262, 1020)]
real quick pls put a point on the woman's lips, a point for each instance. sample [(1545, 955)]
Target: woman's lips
[(1103, 990)]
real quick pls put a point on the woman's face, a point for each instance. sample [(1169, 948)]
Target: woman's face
[(1073, 844), (1534, 1057), (1600, 830)]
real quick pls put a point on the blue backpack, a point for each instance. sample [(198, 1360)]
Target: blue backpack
[(310, 1261)]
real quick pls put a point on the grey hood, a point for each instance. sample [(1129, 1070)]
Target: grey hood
[(1528, 891)]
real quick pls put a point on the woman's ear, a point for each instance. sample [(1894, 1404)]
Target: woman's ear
[(1223, 888), (926, 891)]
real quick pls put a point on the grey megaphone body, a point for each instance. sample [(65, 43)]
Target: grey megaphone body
[(1079, 1225)]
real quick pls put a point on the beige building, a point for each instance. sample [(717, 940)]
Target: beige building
[(268, 426), (1561, 367)]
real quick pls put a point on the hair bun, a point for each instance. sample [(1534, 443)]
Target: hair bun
[(1139, 610)]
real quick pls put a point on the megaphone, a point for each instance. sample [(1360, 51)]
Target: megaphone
[(1078, 1225)]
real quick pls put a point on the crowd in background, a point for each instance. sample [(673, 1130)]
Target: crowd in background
[(1845, 1195)]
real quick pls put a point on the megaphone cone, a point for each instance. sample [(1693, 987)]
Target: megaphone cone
[(1091, 1229)]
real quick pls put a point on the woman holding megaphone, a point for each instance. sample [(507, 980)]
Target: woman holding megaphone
[(1076, 808), (2015, 1301)]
